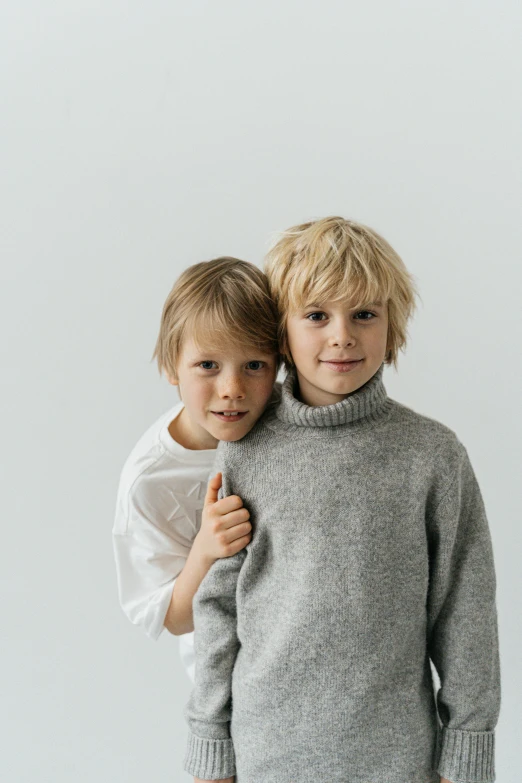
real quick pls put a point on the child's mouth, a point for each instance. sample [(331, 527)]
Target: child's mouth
[(229, 416), (342, 366)]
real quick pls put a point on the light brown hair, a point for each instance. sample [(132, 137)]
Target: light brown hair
[(220, 302)]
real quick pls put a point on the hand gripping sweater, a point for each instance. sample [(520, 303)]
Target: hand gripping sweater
[(370, 555)]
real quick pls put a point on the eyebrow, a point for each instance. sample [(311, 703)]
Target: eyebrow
[(218, 355), (378, 303)]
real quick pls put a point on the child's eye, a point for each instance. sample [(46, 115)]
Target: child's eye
[(311, 318), (258, 365), (204, 365), (366, 312)]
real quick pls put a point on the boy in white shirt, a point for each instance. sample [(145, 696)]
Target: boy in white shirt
[(218, 344)]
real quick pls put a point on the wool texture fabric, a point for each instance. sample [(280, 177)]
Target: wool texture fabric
[(370, 557)]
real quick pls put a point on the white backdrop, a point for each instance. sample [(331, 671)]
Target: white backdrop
[(138, 138)]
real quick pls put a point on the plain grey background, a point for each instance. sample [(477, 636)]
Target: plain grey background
[(138, 138)]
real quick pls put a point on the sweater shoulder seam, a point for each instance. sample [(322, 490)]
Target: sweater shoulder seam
[(454, 479)]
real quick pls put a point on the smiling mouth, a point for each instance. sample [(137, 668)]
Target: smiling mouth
[(229, 415), (341, 366)]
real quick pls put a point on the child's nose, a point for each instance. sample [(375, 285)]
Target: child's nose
[(341, 334), (232, 387)]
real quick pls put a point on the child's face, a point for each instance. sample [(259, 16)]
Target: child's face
[(323, 338), (212, 382)]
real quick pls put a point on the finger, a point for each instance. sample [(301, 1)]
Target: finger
[(234, 518), (212, 490), (235, 544), (230, 503)]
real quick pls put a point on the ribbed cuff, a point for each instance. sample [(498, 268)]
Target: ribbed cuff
[(467, 756), (210, 759)]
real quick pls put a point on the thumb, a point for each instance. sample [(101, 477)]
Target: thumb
[(212, 490)]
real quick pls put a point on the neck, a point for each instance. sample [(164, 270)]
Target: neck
[(314, 396), (190, 435), (367, 402)]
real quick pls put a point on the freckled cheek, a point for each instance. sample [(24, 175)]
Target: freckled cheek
[(200, 396), (260, 392)]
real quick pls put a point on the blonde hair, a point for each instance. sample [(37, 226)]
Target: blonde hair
[(337, 259), (220, 302)]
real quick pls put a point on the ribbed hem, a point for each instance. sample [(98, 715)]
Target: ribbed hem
[(467, 756), (209, 759)]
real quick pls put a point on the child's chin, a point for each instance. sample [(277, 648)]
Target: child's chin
[(233, 437), (234, 434)]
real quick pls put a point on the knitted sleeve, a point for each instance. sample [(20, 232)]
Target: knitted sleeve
[(462, 632), (210, 752)]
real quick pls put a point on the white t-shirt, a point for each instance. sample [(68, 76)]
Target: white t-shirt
[(158, 514)]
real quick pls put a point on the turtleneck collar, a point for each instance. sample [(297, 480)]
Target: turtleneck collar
[(368, 402)]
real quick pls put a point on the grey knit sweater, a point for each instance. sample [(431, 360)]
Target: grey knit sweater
[(370, 555)]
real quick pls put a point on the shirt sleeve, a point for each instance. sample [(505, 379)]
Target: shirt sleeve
[(462, 632), (150, 552), (145, 580)]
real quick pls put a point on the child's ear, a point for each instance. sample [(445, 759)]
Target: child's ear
[(172, 379)]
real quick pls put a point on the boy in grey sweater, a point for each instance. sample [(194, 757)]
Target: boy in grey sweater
[(370, 555)]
